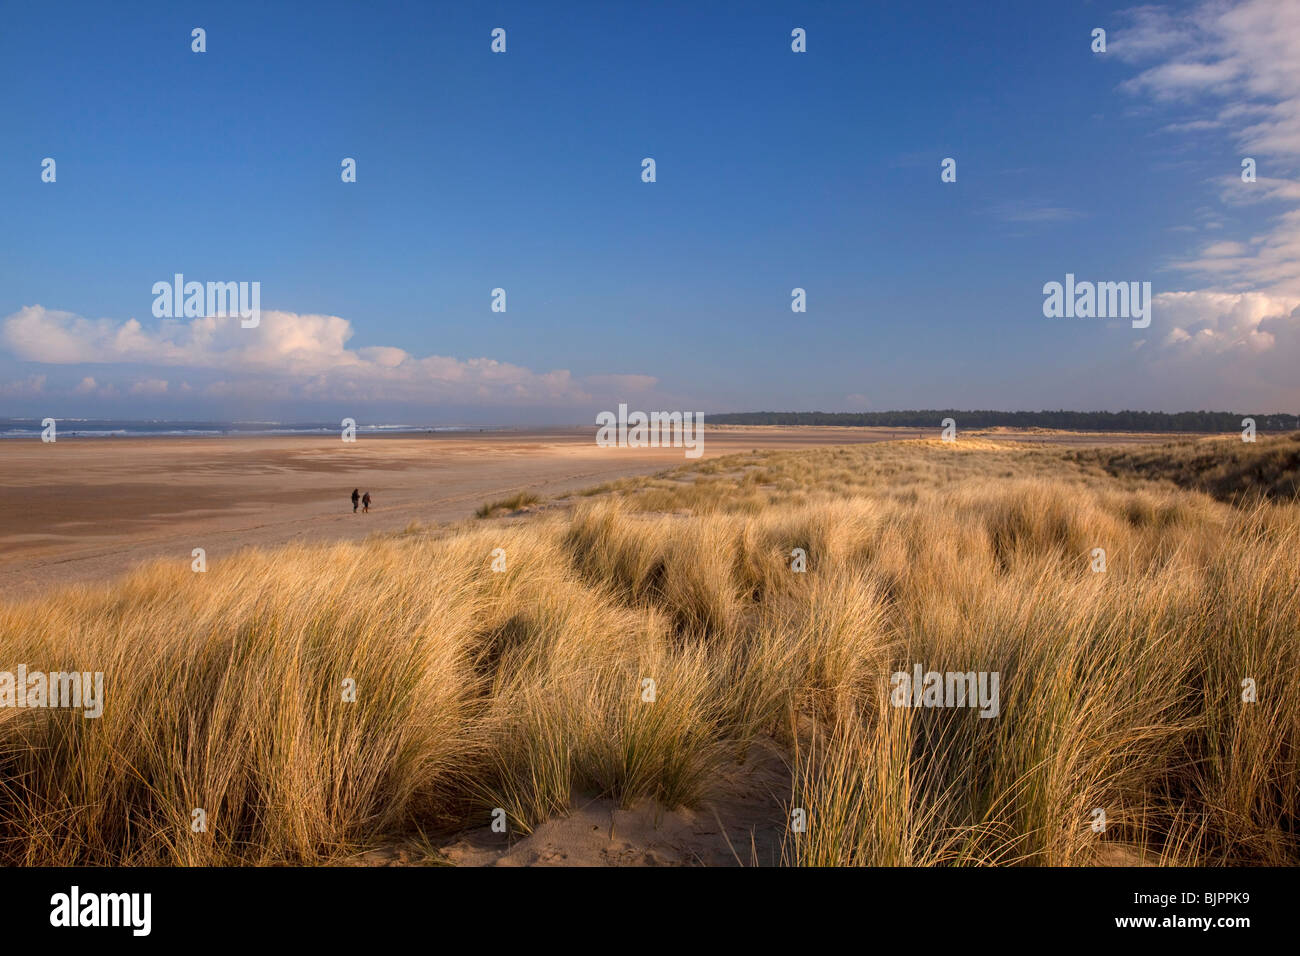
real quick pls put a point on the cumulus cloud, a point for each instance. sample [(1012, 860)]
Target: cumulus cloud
[(1220, 322), (1243, 347), (288, 356)]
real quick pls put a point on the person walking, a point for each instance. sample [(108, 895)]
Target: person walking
[(365, 503), (356, 496)]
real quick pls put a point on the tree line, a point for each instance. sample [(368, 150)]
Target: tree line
[(1125, 421)]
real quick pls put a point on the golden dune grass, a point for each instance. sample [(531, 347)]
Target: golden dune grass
[(476, 689)]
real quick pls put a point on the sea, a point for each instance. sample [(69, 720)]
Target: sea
[(121, 428)]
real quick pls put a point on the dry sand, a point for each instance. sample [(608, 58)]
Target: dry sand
[(88, 509), (740, 822)]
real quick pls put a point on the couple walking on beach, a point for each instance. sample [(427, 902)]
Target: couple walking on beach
[(364, 499)]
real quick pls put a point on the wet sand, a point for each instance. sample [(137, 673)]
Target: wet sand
[(88, 509)]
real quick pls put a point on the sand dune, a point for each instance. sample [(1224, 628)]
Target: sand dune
[(698, 668)]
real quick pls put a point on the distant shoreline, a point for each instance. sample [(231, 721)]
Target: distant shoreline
[(69, 428), (1129, 421), (924, 421), (29, 429)]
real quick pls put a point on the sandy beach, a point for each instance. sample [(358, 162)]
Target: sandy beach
[(88, 509)]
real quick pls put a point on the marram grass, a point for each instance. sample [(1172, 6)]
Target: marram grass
[(1121, 690)]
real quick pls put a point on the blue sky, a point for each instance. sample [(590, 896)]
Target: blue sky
[(522, 171)]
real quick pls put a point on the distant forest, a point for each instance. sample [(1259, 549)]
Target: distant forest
[(1127, 421)]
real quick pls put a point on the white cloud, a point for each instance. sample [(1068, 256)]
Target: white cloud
[(1242, 348), (1240, 62), (1152, 31), (1192, 126), (288, 356), (1248, 50), (1224, 249), (1219, 322)]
